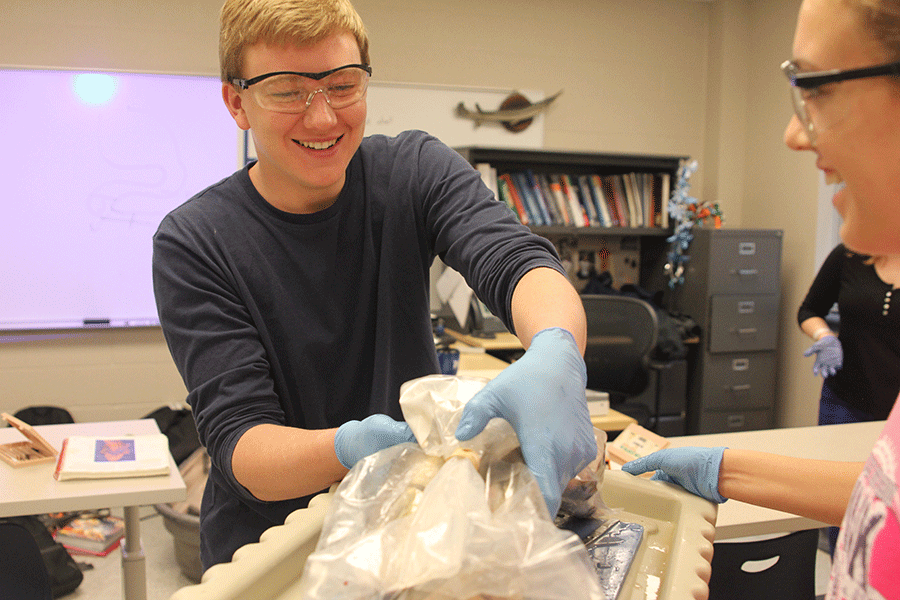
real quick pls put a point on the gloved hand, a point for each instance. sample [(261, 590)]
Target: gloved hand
[(542, 397), (356, 440), (829, 356), (694, 469)]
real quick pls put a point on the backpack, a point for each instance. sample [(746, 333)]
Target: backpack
[(44, 415), (64, 573)]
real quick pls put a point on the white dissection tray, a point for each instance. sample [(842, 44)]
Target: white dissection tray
[(673, 562)]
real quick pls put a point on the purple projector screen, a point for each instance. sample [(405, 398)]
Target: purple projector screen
[(95, 161)]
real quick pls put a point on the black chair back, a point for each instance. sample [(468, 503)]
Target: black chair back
[(621, 334)]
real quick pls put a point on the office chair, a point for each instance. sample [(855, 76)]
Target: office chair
[(621, 335), (23, 574), (745, 570)]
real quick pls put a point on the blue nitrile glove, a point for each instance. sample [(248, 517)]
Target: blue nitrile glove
[(356, 440), (694, 469), (829, 356), (542, 397)]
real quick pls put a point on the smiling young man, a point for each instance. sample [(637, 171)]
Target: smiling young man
[(294, 294), (302, 156)]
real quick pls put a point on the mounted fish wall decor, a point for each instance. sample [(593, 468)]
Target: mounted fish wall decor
[(515, 114)]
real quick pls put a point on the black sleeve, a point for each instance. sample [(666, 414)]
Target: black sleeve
[(823, 292)]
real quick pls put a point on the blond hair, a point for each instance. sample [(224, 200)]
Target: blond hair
[(882, 19), (243, 23)]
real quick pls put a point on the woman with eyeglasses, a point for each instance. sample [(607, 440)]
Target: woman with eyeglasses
[(845, 85), (860, 364)]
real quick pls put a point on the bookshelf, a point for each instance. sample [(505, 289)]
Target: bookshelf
[(631, 253)]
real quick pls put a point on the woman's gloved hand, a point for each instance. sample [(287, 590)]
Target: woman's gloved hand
[(829, 355), (356, 440), (542, 396), (694, 469)]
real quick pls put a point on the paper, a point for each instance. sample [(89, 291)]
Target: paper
[(634, 442), (455, 292)]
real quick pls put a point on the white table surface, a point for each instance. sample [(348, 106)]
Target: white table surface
[(850, 442), (33, 490)]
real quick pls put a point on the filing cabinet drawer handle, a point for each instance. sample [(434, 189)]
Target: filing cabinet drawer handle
[(747, 331), (748, 272), (735, 421), (740, 388)]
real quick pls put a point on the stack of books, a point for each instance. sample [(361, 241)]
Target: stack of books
[(583, 200), (91, 535)]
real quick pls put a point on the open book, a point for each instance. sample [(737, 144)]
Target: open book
[(89, 457)]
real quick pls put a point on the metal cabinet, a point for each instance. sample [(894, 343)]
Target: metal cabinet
[(732, 290)]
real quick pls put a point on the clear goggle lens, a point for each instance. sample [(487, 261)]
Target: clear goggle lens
[(294, 93)]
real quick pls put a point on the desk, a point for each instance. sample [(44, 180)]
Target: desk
[(503, 340), (481, 364), (33, 490), (507, 341), (849, 442)]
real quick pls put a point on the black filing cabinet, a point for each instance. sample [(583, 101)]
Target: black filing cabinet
[(732, 290)]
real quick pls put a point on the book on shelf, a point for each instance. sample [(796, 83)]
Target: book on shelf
[(646, 189), (92, 535), (590, 197), (535, 217), (516, 184), (618, 187), (606, 188), (91, 457), (503, 194), (635, 214), (664, 192), (521, 189), (600, 199), (506, 181), (562, 202), (534, 191), (579, 218), (540, 179), (489, 176), (585, 200)]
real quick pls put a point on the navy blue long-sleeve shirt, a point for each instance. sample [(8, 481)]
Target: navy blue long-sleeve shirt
[(311, 320)]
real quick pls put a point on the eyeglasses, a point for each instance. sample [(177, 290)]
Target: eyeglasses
[(293, 92), (805, 88)]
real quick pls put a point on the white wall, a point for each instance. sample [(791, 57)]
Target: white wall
[(654, 76)]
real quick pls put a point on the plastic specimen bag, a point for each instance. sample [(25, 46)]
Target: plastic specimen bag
[(445, 519)]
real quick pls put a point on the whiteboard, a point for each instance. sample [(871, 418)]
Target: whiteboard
[(93, 162)]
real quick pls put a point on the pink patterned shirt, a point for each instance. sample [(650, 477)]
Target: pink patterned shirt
[(867, 557)]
